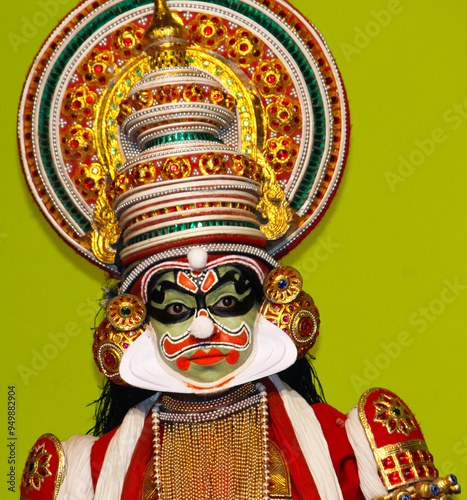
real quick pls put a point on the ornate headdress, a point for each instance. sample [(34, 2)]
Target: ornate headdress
[(147, 133)]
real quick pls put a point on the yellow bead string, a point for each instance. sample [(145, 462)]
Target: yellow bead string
[(218, 454)]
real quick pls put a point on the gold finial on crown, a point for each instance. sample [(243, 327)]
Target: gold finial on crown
[(166, 38)]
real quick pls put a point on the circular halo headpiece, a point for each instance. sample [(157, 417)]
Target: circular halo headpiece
[(175, 124)]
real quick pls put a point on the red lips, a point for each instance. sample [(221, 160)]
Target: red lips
[(173, 347), (204, 358)]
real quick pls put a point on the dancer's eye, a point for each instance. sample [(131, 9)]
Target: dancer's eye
[(176, 310), (226, 303)]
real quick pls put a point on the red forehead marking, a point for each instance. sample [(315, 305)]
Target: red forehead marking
[(209, 281), (185, 282)]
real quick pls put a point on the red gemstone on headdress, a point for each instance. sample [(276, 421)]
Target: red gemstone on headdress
[(89, 183), (109, 360), (305, 326), (282, 155)]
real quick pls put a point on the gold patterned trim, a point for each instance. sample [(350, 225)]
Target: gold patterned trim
[(108, 109), (148, 490), (273, 204), (398, 464), (61, 463), (279, 473), (106, 230), (409, 461), (42, 455), (394, 415)]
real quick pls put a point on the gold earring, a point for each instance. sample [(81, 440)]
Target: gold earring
[(124, 323), (291, 309)]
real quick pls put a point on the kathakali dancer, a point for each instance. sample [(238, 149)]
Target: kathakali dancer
[(185, 150)]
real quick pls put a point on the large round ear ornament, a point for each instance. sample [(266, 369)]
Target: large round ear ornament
[(291, 309), (123, 325), (126, 312)]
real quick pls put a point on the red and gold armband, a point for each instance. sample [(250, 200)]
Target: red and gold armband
[(43, 472), (404, 463)]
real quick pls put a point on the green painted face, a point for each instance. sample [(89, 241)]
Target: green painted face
[(225, 299)]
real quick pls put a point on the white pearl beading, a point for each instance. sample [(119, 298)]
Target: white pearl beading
[(223, 248)]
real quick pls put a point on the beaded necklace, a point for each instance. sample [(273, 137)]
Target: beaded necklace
[(212, 449)]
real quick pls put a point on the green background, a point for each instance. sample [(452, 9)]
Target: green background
[(380, 266)]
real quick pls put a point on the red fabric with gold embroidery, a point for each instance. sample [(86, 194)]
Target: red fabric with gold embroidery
[(43, 471), (395, 439), (389, 418)]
